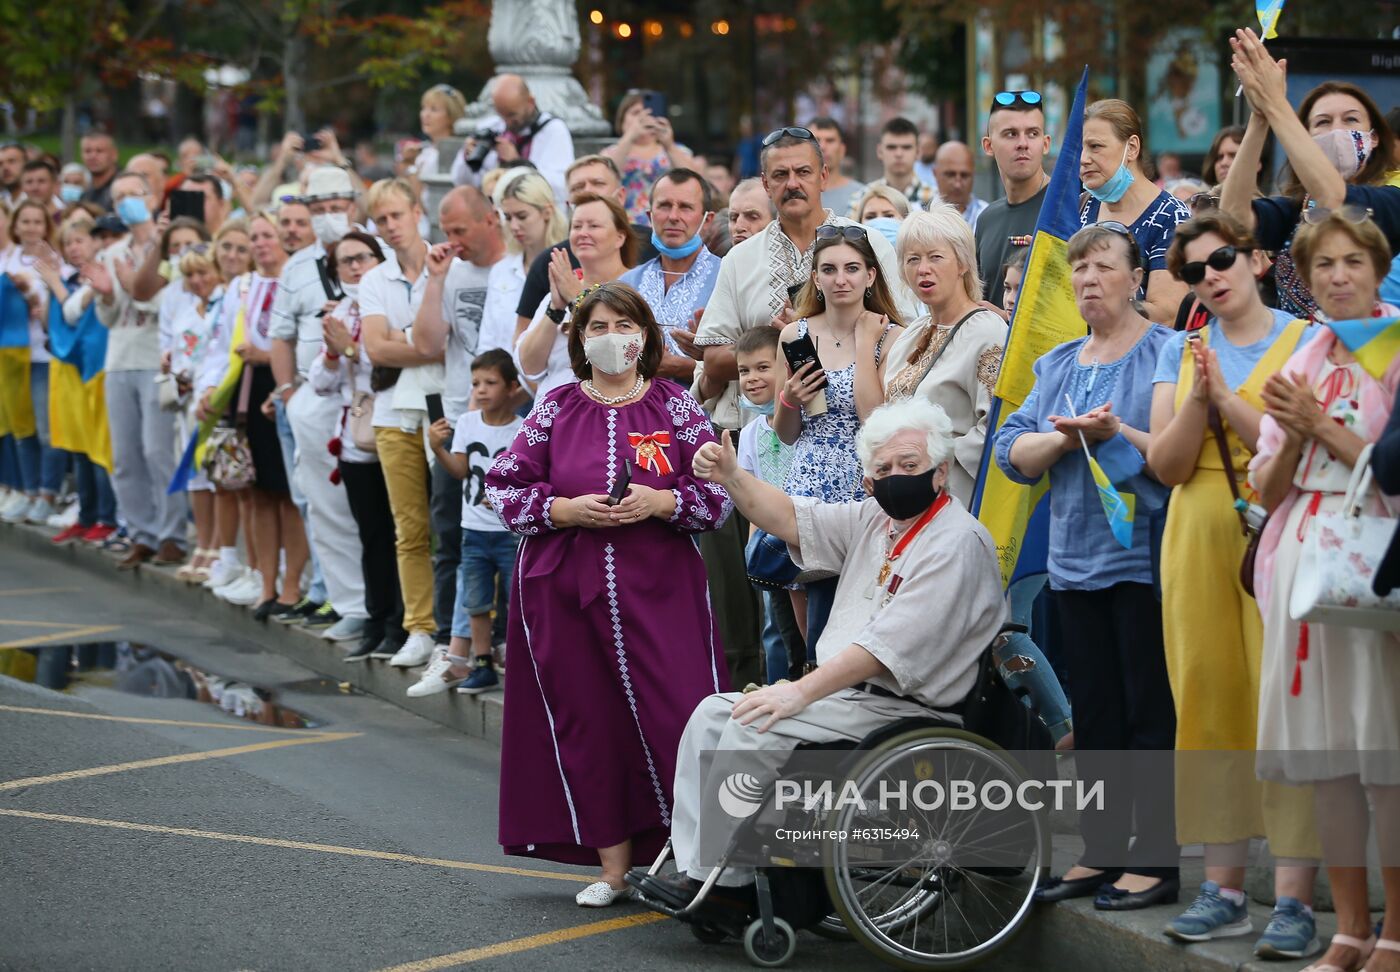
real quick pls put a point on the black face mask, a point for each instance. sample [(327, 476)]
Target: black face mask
[(903, 497)]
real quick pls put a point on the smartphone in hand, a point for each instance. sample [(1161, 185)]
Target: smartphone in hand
[(434, 403), (624, 482)]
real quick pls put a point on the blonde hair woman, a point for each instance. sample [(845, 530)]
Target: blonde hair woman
[(881, 202), (532, 223), (952, 354), (439, 110)]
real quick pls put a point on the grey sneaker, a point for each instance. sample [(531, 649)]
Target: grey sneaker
[(1290, 934), (346, 629), (1211, 915)]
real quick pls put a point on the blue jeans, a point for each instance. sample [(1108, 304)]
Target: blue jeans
[(488, 559), (96, 501), (821, 595), (317, 591), (41, 467), (1024, 668), (775, 651), (9, 463)]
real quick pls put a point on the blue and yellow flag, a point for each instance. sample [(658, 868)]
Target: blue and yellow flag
[(1268, 12), (1118, 507), (1374, 341), (16, 403), (193, 455), (1046, 316), (77, 385)]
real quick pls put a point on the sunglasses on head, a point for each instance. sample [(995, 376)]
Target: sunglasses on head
[(1006, 99), (1350, 212), (791, 131), (1201, 202), (1113, 226), (200, 248), (832, 232), (1221, 260)]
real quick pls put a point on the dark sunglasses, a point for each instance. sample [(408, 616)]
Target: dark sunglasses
[(290, 199), (789, 132), (1201, 202), (830, 231), (1350, 212), (1006, 99), (1221, 260)]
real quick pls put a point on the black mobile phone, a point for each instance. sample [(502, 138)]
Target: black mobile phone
[(311, 143), (793, 291), (187, 202), (799, 351), (434, 403), (655, 102), (620, 487)]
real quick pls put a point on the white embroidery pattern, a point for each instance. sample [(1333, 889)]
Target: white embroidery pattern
[(680, 506), (533, 435), (544, 413), (612, 448), (785, 265), (692, 434), (506, 462), (673, 308), (618, 642)]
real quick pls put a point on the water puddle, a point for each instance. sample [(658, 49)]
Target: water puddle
[(144, 670)]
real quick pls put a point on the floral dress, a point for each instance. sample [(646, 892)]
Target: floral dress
[(637, 177), (825, 465)]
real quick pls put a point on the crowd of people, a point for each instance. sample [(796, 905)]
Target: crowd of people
[(646, 435)]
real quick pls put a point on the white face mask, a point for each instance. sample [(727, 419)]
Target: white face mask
[(330, 227), (613, 354)]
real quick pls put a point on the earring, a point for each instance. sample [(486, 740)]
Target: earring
[(867, 293), (821, 297)]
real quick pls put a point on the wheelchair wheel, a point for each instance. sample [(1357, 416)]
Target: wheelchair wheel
[(770, 951), (933, 883)]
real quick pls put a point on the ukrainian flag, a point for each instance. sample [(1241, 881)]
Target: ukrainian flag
[(1268, 13), (77, 385), (1374, 341), (1118, 507), (16, 403), (1046, 316)]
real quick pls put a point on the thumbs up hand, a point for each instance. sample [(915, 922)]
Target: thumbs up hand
[(717, 461)]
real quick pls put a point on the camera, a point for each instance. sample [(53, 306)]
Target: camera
[(485, 145), (311, 143)]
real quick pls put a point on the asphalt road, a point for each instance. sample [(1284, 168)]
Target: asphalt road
[(131, 838)]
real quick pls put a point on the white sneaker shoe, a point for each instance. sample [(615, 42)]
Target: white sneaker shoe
[(246, 592), (415, 651), (17, 508), (222, 573), (436, 678), (39, 512), (64, 518), (235, 578)]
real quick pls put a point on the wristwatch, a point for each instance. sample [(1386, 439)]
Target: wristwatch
[(351, 350), (555, 314)]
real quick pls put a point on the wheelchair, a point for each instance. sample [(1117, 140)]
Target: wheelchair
[(948, 897)]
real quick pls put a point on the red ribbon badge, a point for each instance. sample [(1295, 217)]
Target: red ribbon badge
[(650, 451)]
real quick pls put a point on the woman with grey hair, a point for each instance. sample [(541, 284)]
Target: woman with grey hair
[(73, 181), (951, 356)]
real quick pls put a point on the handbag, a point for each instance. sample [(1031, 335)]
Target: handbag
[(1252, 518), (769, 564), (168, 393), (228, 458), (1340, 556), (359, 416)]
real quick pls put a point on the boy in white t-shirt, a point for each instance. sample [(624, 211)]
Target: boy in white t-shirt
[(763, 455), (488, 548)]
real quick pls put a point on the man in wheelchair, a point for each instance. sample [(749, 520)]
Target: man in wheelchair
[(918, 601)]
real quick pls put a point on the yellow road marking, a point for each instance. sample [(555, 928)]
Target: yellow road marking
[(22, 591), (148, 722), (525, 944), (299, 845), (71, 631), (39, 624), (308, 740)]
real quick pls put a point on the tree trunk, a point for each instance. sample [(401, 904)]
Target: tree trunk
[(68, 130), (294, 82)]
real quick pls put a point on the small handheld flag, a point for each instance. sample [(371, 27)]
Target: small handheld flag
[(1268, 12), (1118, 507), (1373, 340)]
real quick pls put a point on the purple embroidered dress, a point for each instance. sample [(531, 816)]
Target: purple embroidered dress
[(611, 638)]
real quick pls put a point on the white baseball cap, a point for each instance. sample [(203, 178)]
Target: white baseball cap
[(329, 182)]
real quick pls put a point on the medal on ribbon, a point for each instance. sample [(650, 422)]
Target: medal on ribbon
[(651, 451)]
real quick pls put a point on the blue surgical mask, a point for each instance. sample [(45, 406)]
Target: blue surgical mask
[(70, 193), (886, 226), (677, 252), (760, 409), (133, 211), (1117, 185)]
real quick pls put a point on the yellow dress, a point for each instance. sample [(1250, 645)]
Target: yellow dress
[(1214, 640)]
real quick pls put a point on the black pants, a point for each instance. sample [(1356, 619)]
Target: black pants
[(445, 506), (1112, 642), (738, 613), (369, 505)]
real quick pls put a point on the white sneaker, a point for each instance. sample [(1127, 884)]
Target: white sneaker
[(39, 512), (246, 592), (236, 577), (65, 517), (436, 678), (17, 508), (223, 573), (415, 651)]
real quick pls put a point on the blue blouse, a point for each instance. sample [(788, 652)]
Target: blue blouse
[(1083, 554)]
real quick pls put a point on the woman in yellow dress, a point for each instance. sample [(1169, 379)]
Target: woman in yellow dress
[(1212, 629)]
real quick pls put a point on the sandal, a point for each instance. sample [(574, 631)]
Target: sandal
[(1385, 944), (1364, 949)]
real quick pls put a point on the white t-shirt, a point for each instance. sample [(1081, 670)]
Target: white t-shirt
[(503, 289), (463, 303), (481, 444), (385, 292), (558, 371)]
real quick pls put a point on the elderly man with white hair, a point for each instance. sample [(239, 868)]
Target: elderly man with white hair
[(907, 555)]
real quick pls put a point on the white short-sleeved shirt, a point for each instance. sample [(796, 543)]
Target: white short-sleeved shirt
[(384, 291), (463, 307), (481, 444), (503, 289)]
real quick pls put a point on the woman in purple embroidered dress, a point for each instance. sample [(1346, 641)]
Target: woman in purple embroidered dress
[(611, 638)]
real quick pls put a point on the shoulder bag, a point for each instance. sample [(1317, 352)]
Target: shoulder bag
[(359, 416), (1252, 518), (1341, 554), (228, 459)]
